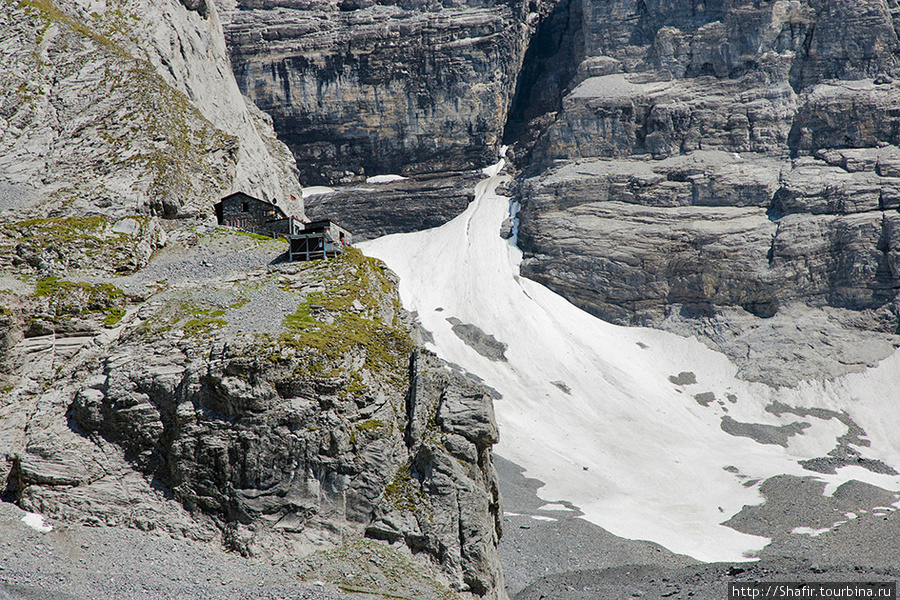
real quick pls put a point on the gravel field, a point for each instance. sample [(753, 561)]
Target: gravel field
[(106, 563), (203, 253)]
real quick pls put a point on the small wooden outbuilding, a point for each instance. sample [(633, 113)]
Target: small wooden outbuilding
[(319, 239)]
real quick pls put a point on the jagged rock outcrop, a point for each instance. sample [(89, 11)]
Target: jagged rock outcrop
[(127, 107), (274, 410), (154, 373), (447, 501), (726, 159), (359, 88)]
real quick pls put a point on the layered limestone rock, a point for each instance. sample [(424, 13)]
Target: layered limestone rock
[(726, 159), (359, 88), (371, 210), (127, 107), (275, 409)]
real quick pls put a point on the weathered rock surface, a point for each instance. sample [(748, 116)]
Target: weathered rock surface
[(273, 411), (126, 107), (419, 202), (358, 88), (450, 485), (728, 244), (728, 159)]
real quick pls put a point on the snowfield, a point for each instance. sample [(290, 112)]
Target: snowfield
[(607, 416)]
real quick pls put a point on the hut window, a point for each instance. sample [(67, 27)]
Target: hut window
[(245, 206)]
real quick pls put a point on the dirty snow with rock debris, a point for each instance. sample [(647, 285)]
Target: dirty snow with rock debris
[(629, 424)]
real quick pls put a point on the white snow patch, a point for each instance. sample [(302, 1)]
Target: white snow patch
[(315, 190), (810, 531), (384, 178), (36, 522), (511, 514), (542, 518), (655, 456)]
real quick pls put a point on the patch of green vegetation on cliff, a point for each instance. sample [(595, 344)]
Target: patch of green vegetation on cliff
[(88, 240), (114, 316), (344, 316), (60, 231), (69, 299), (49, 12), (355, 387), (188, 139), (198, 320), (197, 327), (370, 425), (185, 313), (404, 493)]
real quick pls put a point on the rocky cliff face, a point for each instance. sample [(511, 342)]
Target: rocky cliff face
[(726, 163), (275, 410), (127, 107), (360, 88)]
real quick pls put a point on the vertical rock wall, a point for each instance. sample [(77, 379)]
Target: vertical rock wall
[(358, 88)]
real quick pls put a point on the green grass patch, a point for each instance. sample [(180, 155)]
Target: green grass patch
[(63, 230), (370, 425), (69, 299), (255, 236), (180, 313), (328, 324), (80, 237), (197, 327), (114, 316), (355, 385), (405, 493)]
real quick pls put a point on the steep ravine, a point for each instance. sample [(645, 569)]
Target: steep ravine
[(650, 435)]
